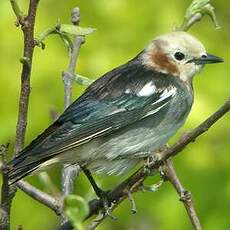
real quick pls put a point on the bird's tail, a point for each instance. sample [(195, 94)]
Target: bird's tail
[(23, 165), (33, 157)]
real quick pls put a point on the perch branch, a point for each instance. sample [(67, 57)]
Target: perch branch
[(136, 180)]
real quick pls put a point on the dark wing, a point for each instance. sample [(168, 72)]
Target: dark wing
[(114, 101)]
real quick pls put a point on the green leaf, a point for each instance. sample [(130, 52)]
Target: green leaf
[(203, 7), (81, 80), (76, 209), (75, 30), (67, 40), (154, 187), (196, 10), (198, 4), (195, 7)]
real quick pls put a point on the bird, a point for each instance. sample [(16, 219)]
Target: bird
[(124, 116)]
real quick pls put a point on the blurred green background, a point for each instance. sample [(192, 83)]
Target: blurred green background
[(124, 27)]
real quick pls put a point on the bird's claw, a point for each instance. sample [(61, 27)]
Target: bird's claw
[(108, 211), (162, 173), (107, 204), (151, 160)]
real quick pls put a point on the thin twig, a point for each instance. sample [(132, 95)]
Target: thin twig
[(42, 197), (17, 10), (185, 195), (68, 75), (71, 171)]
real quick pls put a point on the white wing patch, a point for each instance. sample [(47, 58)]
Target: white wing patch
[(168, 92), (147, 90)]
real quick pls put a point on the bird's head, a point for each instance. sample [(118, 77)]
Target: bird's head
[(178, 54)]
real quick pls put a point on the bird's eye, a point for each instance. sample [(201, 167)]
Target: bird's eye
[(179, 56), (204, 56)]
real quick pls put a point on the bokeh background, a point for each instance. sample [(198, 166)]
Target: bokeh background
[(124, 27)]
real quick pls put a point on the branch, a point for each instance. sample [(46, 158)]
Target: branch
[(27, 24), (28, 32), (135, 182), (185, 195)]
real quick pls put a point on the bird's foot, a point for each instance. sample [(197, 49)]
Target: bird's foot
[(103, 195), (162, 172), (107, 204), (151, 160), (164, 148)]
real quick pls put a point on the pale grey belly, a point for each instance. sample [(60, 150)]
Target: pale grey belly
[(136, 141)]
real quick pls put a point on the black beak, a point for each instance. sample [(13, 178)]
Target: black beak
[(206, 59)]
